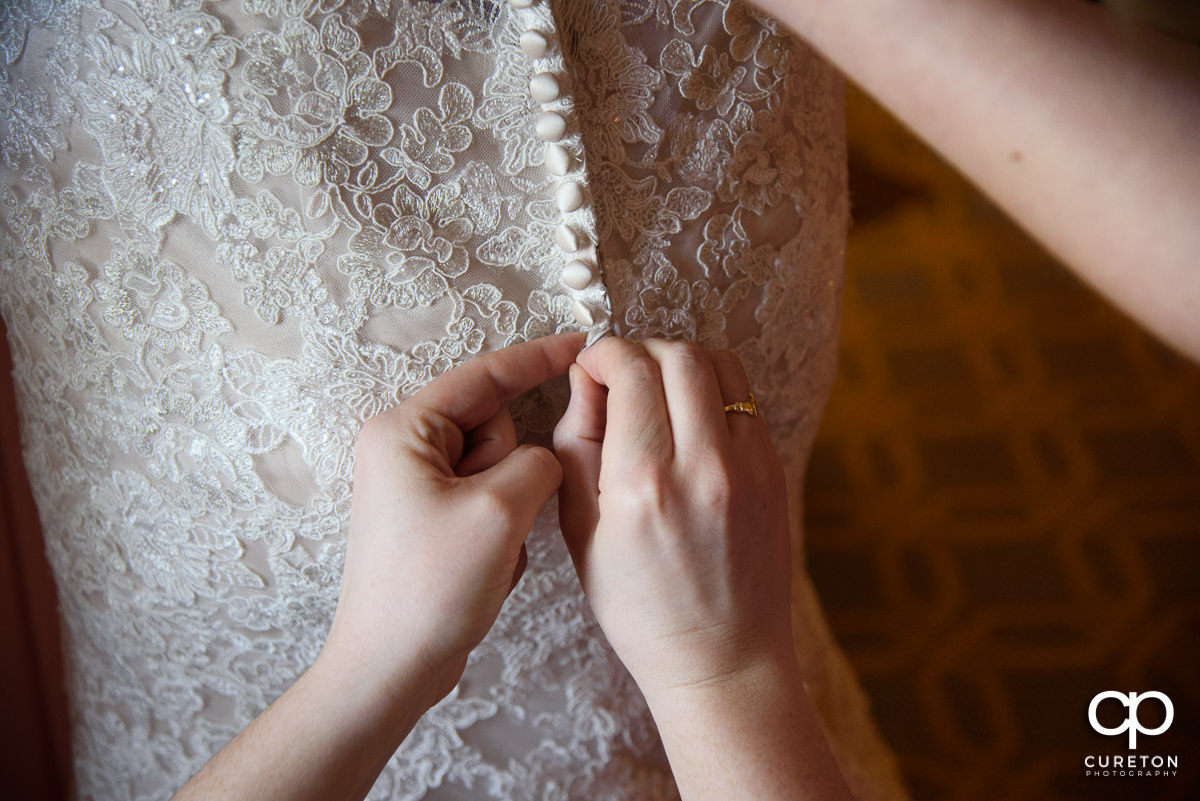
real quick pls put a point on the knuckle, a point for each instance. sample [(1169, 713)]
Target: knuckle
[(716, 485), (644, 372), (657, 501), (611, 350), (724, 354), (377, 426), (493, 509), (544, 462), (377, 434), (642, 484), (688, 355), (608, 343), (730, 363), (562, 438)]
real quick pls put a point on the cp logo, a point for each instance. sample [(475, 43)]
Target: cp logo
[(1131, 723)]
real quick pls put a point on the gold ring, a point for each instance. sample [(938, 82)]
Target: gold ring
[(743, 407)]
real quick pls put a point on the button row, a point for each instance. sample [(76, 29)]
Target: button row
[(551, 127)]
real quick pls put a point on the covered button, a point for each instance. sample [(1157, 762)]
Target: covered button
[(558, 160), (535, 44), (551, 126), (544, 87), (567, 238), (577, 275), (569, 197), (583, 315)]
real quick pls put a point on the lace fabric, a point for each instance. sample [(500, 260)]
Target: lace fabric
[(232, 231)]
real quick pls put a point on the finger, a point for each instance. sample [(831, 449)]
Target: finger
[(731, 376), (638, 427), (521, 484), (519, 570), (487, 444), (578, 440), (693, 395), (470, 394), (735, 387)]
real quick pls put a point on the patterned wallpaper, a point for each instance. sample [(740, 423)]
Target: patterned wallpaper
[(1004, 503)]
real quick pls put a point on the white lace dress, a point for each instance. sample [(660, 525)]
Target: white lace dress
[(231, 231)]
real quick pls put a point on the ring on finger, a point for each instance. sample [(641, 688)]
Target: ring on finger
[(748, 406)]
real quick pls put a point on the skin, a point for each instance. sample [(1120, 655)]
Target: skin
[(443, 499), (676, 517), (675, 514), (1082, 127)]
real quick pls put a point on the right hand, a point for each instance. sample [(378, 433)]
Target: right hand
[(675, 513)]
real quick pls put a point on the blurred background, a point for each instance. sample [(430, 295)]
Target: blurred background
[(1003, 505)]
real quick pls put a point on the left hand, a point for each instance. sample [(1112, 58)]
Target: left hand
[(443, 499)]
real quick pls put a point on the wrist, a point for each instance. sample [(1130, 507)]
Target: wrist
[(749, 734), (398, 689), (776, 676)]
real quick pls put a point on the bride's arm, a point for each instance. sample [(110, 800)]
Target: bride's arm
[(1086, 130), (443, 499)]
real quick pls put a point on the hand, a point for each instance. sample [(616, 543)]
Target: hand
[(443, 500), (676, 517), (675, 513)]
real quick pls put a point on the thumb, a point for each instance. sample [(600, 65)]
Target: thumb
[(522, 482), (577, 443)]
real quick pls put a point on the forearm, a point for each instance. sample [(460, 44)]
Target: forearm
[(443, 499), (1082, 129), (753, 736), (325, 739)]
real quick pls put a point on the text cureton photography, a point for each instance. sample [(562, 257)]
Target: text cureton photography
[(1131, 765)]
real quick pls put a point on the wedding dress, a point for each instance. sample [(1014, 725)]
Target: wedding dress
[(232, 231)]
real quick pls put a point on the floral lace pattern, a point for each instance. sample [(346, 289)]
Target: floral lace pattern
[(232, 231)]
